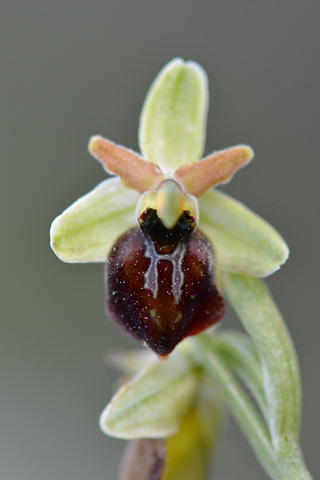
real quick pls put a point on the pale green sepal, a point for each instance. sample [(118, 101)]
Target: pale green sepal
[(152, 403), (262, 320), (86, 231), (244, 243), (173, 118), (186, 455)]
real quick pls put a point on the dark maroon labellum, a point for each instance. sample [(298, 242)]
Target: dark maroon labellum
[(160, 283)]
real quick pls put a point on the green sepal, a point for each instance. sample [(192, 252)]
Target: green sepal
[(153, 402), (244, 243), (87, 230), (187, 455), (173, 118)]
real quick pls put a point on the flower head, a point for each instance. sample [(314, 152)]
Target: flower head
[(158, 224)]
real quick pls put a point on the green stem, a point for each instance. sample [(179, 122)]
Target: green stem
[(250, 422), (241, 356), (261, 318), (288, 466)]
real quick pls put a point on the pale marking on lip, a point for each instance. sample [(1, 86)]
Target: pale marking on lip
[(151, 278)]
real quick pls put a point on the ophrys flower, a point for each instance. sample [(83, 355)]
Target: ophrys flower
[(159, 226)]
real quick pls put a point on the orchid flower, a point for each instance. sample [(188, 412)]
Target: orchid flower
[(160, 226), (174, 246)]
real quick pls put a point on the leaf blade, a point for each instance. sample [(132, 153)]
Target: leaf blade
[(260, 317)]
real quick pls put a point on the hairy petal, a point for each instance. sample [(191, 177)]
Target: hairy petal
[(86, 231), (217, 168), (134, 171), (244, 243)]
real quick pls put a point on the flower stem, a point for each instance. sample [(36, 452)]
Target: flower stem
[(261, 318), (288, 466)]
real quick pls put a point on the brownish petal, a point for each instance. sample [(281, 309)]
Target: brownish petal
[(135, 172), (213, 170)]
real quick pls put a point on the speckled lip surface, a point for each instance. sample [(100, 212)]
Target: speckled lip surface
[(162, 298)]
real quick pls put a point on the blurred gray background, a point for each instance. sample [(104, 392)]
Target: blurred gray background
[(75, 68)]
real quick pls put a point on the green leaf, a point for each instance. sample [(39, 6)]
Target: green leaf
[(285, 465), (243, 410), (244, 243), (241, 356), (152, 404), (87, 230), (173, 118), (260, 317)]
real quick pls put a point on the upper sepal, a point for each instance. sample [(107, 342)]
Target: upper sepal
[(173, 118)]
